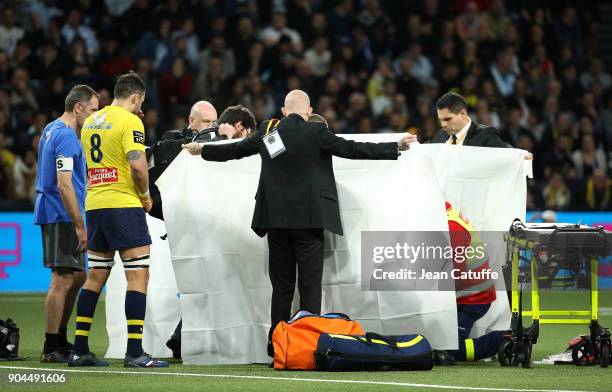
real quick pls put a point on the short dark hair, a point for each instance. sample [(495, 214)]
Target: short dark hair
[(317, 118), (128, 84), (453, 102), (234, 114), (80, 93)]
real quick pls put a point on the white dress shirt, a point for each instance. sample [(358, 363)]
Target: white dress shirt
[(461, 134)]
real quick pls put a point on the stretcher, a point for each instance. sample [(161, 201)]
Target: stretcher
[(535, 255)]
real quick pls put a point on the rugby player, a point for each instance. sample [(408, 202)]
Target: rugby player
[(116, 203)]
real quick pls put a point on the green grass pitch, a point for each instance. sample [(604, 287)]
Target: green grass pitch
[(28, 311)]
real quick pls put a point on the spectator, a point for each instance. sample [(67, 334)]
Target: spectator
[(52, 96), (514, 130), (597, 192), (372, 14), (421, 68), (556, 194), (270, 35), (339, 20), (47, 64), (113, 61), (559, 159), (596, 74), (24, 172), (156, 46), (135, 21), (217, 49), (22, 98), (502, 73), (80, 62), (588, 158), (175, 87), (10, 33), (151, 126), (471, 60), (209, 85), (381, 105), (472, 24), (241, 42), (498, 21), (74, 28), (319, 57), (257, 92), (45, 11), (568, 30), (318, 28), (541, 61), (485, 116), (192, 42)]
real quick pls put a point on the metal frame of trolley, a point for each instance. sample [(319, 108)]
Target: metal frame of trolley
[(567, 242)]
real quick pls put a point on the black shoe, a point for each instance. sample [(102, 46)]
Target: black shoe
[(56, 356), (442, 358), (66, 349), (144, 361), (174, 345), (88, 359)]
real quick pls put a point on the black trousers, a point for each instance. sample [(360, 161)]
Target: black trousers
[(290, 248)]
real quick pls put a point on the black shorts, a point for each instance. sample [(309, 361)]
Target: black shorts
[(117, 228), (60, 244)]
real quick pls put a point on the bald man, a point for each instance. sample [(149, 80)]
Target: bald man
[(296, 197), (202, 117), (201, 124)]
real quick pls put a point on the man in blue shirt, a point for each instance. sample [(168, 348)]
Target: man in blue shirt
[(59, 210)]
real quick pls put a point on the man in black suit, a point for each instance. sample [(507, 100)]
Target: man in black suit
[(458, 128), (296, 198)]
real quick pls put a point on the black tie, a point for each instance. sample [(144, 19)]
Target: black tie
[(453, 139)]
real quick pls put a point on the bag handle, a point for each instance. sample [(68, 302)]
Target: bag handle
[(337, 315), (387, 339)]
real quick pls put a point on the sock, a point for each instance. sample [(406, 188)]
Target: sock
[(63, 336), (52, 342), (86, 306), (135, 308)]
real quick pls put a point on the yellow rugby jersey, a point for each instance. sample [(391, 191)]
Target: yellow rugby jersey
[(107, 136)]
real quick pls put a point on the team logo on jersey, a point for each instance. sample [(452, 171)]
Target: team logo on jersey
[(99, 118), (138, 137), (98, 122), (102, 175)]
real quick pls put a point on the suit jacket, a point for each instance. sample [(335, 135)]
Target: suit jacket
[(478, 135), (297, 189), (165, 151)]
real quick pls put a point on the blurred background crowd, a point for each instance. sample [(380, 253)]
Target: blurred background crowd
[(536, 70)]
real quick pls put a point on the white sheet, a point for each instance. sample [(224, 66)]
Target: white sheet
[(221, 265)]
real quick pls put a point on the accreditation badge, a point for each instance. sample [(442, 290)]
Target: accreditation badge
[(274, 144)]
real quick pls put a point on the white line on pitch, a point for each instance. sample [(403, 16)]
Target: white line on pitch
[(398, 384)]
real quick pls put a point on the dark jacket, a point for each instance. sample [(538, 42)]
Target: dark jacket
[(165, 151), (297, 189), (478, 135)]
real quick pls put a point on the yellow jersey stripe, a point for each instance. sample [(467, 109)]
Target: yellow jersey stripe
[(135, 322), (81, 332), (134, 336)]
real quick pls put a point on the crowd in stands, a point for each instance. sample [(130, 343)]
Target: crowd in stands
[(532, 69)]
